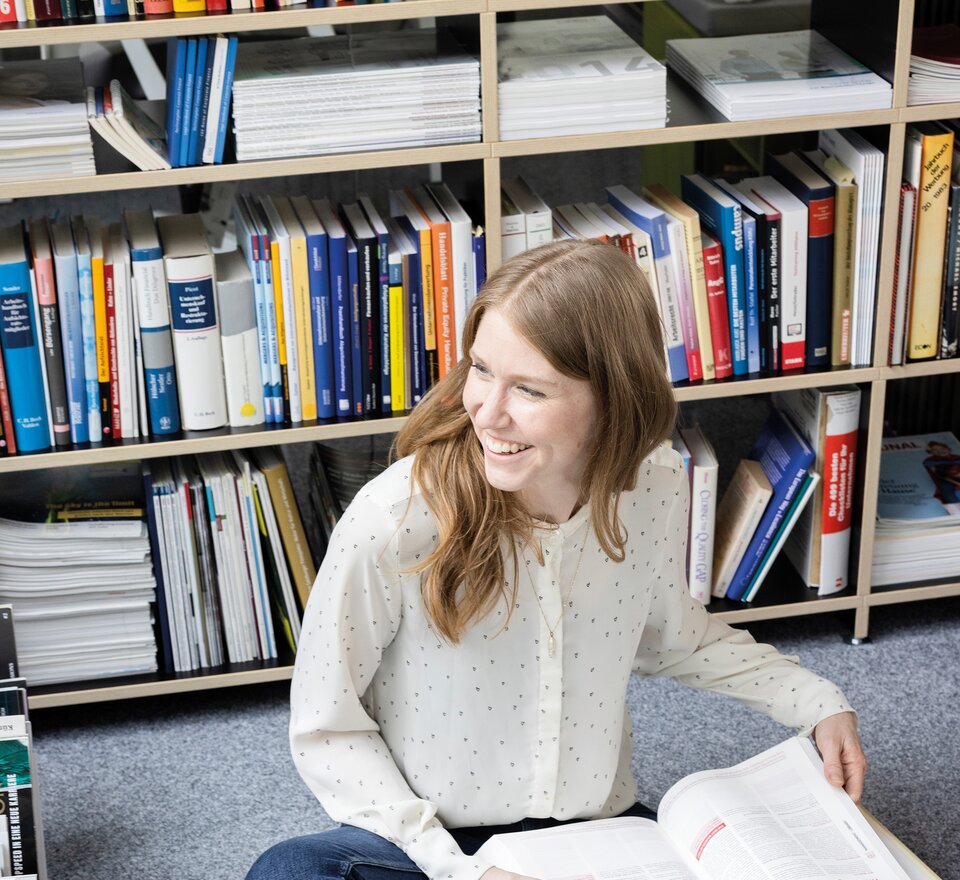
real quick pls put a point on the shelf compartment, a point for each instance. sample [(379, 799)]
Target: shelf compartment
[(262, 169), (783, 597), (158, 684), (147, 28), (196, 442)]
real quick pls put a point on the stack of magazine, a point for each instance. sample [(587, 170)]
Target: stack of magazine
[(82, 593), (918, 509), (371, 91), (934, 65), (43, 121), (786, 74), (576, 76)]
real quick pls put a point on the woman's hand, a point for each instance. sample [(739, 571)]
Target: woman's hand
[(844, 763), (500, 874)]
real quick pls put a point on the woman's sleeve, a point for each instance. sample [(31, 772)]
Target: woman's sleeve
[(683, 641), (352, 615)]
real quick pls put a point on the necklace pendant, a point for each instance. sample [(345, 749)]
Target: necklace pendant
[(551, 646)]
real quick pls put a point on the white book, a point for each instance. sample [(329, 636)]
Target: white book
[(142, 417), (793, 266), (208, 152), (905, 232), (239, 339), (188, 557), (196, 329), (513, 228), (88, 327), (184, 648), (538, 220), (680, 263), (703, 511), (164, 567)]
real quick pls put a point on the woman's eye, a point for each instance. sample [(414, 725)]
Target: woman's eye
[(530, 392), (480, 369)]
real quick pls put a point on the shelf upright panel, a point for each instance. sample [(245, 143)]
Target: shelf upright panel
[(235, 22), (489, 81), (902, 57), (491, 199)]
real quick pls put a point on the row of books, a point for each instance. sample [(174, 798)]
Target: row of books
[(322, 313), (21, 830), (232, 562), (925, 315), (79, 11), (918, 509), (794, 491), (769, 274)]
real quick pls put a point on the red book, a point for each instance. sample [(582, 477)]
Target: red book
[(47, 10), (8, 444), (8, 11), (717, 304), (157, 7), (216, 6), (110, 302)]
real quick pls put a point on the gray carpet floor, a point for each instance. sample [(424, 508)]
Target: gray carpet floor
[(196, 786)]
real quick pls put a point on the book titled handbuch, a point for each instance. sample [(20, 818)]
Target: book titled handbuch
[(774, 815)]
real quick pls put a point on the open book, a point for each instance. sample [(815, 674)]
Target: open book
[(770, 818)]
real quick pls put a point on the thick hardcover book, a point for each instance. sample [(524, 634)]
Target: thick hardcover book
[(206, 85), (785, 458), (793, 266), (196, 329), (71, 332), (714, 280), (653, 221), (928, 158), (819, 195), (368, 287), (238, 338), (318, 271), (189, 144), (384, 329), (44, 277), (88, 327), (20, 342), (153, 309), (819, 547), (766, 221), (340, 324), (189, 95), (721, 215), (683, 273), (225, 98), (48, 10), (358, 366), (399, 325)]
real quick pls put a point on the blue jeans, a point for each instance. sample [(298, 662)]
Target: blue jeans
[(350, 853)]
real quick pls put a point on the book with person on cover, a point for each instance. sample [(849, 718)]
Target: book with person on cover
[(773, 815)]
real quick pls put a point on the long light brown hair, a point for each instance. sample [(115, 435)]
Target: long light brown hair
[(589, 311)]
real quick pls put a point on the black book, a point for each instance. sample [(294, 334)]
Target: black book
[(9, 668), (368, 284)]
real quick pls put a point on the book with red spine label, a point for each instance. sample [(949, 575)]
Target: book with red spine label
[(716, 287)]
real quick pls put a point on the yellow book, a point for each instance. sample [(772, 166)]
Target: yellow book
[(189, 6), (278, 308), (95, 233), (300, 268), (665, 200), (928, 156), (398, 348)]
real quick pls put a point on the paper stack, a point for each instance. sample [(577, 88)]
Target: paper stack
[(337, 94), (935, 65), (81, 592), (576, 76), (43, 121), (785, 74), (918, 509)]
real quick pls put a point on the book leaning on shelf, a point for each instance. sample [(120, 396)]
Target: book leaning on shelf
[(773, 815)]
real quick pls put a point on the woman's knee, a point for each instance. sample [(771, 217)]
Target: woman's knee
[(300, 858)]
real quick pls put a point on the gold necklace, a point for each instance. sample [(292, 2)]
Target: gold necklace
[(552, 641)]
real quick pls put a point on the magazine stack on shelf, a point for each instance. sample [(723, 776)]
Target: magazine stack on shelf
[(576, 76), (934, 65), (374, 91), (81, 592), (918, 509), (787, 74), (43, 121)]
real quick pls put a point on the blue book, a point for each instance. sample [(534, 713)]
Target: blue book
[(20, 344), (480, 256), (196, 105), (654, 222), (176, 67), (721, 215), (205, 99), (751, 289), (156, 553), (270, 308), (356, 317), (819, 195), (248, 237), (319, 275), (114, 8), (186, 112), (153, 311), (71, 330), (383, 260), (88, 328), (225, 100), (340, 308), (785, 458)]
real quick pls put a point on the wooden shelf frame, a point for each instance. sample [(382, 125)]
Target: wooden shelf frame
[(692, 120)]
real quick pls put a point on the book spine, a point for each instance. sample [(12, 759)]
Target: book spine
[(933, 196), (950, 310), (356, 332), (443, 298), (368, 288), (176, 64), (286, 328), (241, 357), (156, 556), (273, 339), (158, 7), (844, 237), (6, 413), (703, 505), (685, 310), (89, 337), (114, 8), (418, 354), (150, 288), (340, 327), (398, 346), (52, 352), (793, 289), (110, 306), (8, 12), (320, 313), (102, 345), (386, 359), (224, 116), (427, 303), (204, 121), (292, 533), (189, 5), (717, 309), (47, 10), (819, 280), (480, 257), (771, 293), (72, 342), (303, 323), (186, 111), (196, 103), (751, 291), (196, 342)]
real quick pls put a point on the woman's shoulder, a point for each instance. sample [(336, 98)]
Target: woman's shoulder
[(659, 473), (393, 493), (664, 459)]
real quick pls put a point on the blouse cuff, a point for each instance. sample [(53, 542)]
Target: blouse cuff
[(438, 855)]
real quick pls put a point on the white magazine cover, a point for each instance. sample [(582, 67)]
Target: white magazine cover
[(919, 481)]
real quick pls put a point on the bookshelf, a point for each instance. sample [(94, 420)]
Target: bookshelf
[(691, 122)]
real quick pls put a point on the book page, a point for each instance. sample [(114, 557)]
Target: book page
[(626, 848), (774, 817)]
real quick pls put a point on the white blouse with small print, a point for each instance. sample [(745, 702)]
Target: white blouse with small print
[(400, 733)]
